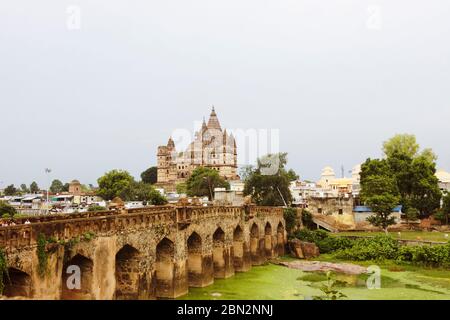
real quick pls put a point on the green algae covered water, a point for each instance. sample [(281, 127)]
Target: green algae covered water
[(274, 282)]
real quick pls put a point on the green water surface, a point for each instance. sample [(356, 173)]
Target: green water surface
[(274, 282)]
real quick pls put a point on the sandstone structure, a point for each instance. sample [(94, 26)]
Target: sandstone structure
[(145, 253), (212, 148)]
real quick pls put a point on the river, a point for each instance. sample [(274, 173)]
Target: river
[(274, 282)]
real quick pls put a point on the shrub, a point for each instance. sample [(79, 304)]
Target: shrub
[(377, 248), (427, 255), (307, 219), (323, 240), (290, 216)]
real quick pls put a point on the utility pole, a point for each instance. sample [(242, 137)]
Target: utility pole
[(48, 171)]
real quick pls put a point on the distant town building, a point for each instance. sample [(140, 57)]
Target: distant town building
[(444, 180), (212, 148)]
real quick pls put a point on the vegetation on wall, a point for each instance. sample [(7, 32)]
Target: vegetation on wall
[(290, 216), (3, 270), (42, 254)]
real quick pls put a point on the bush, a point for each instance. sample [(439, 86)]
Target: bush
[(290, 216), (307, 219), (323, 240), (427, 255), (377, 248), (6, 210)]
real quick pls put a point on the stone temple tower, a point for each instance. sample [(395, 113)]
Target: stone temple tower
[(212, 147)]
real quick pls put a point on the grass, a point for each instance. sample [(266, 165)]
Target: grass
[(404, 235)]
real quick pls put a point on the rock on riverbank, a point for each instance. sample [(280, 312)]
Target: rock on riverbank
[(322, 266)]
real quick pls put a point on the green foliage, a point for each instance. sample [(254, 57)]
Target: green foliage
[(88, 236), (292, 175), (57, 186), (34, 188), (414, 174), (307, 219), (323, 240), (401, 143), (94, 208), (411, 214), (3, 270), (290, 216), (6, 210), (268, 183), (434, 256), (380, 247), (24, 188), (10, 190), (150, 175), (203, 181), (181, 188), (42, 254), (115, 183), (379, 191), (329, 290)]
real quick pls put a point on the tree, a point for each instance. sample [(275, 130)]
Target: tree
[(379, 191), (411, 214), (57, 186), (10, 190), (7, 210), (203, 181), (268, 183), (141, 191), (414, 174), (181, 188), (115, 183), (34, 188), (24, 188), (401, 143), (291, 175), (150, 175), (245, 172)]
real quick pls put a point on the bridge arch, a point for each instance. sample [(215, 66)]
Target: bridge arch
[(238, 248), (17, 284), (254, 244), (280, 239), (77, 277), (219, 253), (268, 245), (195, 260), (127, 273), (165, 254)]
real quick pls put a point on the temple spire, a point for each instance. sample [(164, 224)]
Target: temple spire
[(213, 122)]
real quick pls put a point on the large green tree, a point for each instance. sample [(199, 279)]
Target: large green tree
[(150, 175), (57, 186), (34, 188), (115, 183), (202, 182), (268, 182), (413, 172), (145, 192), (379, 191), (10, 190)]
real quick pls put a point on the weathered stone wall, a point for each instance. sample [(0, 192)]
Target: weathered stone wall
[(147, 253)]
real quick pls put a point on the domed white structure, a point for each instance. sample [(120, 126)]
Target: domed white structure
[(326, 177), (356, 171)]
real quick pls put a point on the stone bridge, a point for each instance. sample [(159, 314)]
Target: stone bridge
[(146, 253)]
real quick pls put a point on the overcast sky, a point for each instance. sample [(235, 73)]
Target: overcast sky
[(336, 77)]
